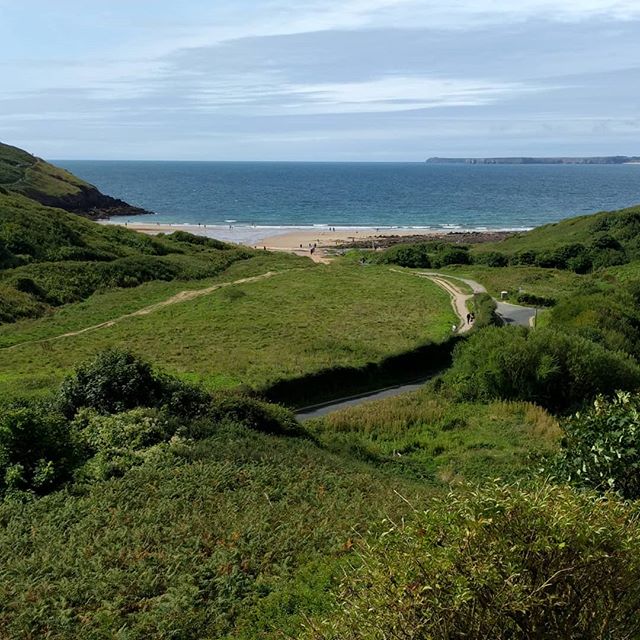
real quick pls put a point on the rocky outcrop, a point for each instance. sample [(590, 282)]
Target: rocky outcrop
[(88, 202)]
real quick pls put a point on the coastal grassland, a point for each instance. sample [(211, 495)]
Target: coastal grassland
[(426, 435), (236, 536), (547, 283), (292, 324), (169, 512), (108, 304), (25, 173)]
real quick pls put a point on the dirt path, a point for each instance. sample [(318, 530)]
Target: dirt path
[(182, 296), (458, 297)]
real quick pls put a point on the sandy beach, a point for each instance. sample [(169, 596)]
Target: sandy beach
[(300, 241)]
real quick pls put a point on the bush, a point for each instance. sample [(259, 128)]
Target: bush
[(491, 259), (451, 255), (498, 563), (524, 258), (407, 255), (559, 371), (569, 256), (37, 450), (601, 447), (610, 319), (113, 444), (255, 414), (534, 300), (484, 308), (113, 381)]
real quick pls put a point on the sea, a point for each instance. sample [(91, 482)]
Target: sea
[(261, 197)]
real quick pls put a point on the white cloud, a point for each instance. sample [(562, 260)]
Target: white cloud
[(399, 93)]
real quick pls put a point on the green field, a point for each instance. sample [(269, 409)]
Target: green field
[(424, 435), (297, 322)]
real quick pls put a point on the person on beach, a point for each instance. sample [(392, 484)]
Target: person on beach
[(468, 318)]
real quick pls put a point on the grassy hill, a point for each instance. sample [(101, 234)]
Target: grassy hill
[(24, 174), (580, 244), (49, 257)]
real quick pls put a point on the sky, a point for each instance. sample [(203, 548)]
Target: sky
[(319, 80)]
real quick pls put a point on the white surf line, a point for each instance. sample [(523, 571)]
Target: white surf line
[(182, 296)]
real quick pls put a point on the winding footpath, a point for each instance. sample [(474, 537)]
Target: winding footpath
[(510, 314), (182, 296)]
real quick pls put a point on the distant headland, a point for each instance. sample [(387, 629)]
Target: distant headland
[(525, 160)]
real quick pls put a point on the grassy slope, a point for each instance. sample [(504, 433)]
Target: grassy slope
[(427, 436), (536, 280), (582, 229), (235, 536), (244, 535), (49, 257), (23, 173), (294, 323), (41, 233)]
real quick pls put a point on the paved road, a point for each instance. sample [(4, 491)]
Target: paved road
[(319, 410), (510, 313)]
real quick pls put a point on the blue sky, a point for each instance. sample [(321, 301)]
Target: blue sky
[(380, 80)]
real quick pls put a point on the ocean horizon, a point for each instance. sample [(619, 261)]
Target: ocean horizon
[(283, 196)]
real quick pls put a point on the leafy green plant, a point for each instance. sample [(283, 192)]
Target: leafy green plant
[(37, 448), (497, 563), (601, 446), (554, 369), (113, 381), (484, 308)]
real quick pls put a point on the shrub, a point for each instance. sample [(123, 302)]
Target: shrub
[(37, 450), (113, 444), (255, 414), (554, 369), (524, 258), (601, 446), (497, 563), (569, 256), (534, 300), (609, 319), (491, 259), (484, 308), (113, 381), (407, 255), (451, 255)]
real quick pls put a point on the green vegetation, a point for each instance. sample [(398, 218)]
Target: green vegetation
[(557, 370), (292, 324), (425, 435), (600, 446), (498, 562), (484, 308), (581, 245), (52, 258), (424, 255), (184, 515), (23, 173), (161, 495)]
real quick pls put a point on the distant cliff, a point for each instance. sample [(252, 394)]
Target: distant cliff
[(22, 173), (525, 160)]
